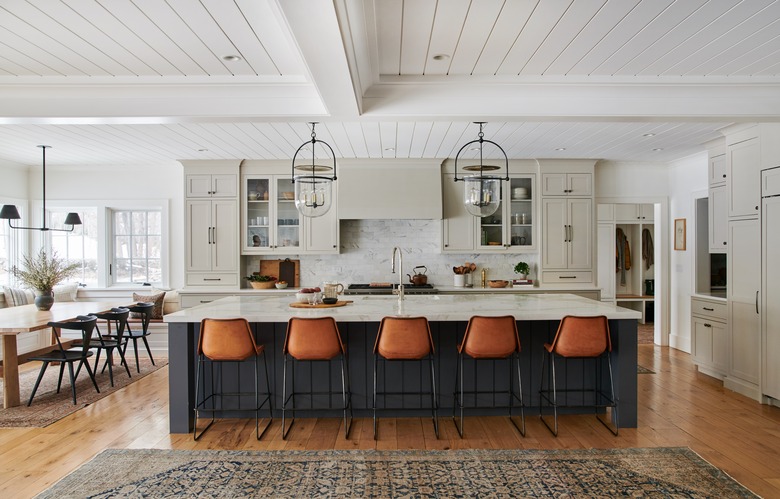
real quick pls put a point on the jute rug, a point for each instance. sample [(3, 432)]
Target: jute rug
[(663, 472), (49, 406)]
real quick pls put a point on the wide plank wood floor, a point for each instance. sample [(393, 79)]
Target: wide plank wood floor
[(677, 407)]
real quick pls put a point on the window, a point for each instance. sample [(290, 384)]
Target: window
[(79, 246), (137, 247), (7, 255)]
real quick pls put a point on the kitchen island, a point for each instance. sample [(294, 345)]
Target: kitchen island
[(537, 317)]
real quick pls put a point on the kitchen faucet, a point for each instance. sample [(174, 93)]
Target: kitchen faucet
[(396, 249)]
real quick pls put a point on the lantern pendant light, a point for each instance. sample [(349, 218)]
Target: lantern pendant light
[(9, 211), (313, 188), (482, 192)]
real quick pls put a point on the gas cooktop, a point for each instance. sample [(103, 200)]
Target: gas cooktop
[(387, 289)]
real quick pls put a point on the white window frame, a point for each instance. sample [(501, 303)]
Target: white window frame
[(16, 238), (110, 217), (78, 209), (105, 209)]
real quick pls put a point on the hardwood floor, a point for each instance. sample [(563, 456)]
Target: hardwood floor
[(677, 407)]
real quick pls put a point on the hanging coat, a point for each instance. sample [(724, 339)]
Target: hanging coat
[(648, 250), (622, 255)]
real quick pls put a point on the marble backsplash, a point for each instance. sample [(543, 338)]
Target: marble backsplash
[(367, 245)]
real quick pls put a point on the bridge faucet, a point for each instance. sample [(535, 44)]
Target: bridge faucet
[(396, 249)]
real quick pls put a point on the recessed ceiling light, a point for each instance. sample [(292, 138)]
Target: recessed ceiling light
[(203, 150), (231, 58), (649, 135), (560, 148), (389, 149), (441, 57), (658, 149)]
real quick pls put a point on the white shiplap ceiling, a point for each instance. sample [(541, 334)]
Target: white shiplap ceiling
[(119, 82)]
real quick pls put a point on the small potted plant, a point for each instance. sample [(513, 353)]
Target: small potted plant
[(41, 273), (522, 270), (258, 281)]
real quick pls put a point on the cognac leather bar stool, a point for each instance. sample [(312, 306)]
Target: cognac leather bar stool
[(405, 338), (314, 340), (83, 323), (580, 338), (490, 338), (229, 340)]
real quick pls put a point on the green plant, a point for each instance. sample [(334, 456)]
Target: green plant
[(43, 271), (260, 278), (522, 268)]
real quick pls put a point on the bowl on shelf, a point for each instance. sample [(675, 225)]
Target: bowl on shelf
[(281, 285), (288, 195), (497, 283)]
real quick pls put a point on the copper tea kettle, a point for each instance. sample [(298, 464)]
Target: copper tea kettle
[(419, 278)]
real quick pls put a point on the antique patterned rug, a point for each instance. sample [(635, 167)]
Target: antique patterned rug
[(49, 406), (661, 472)]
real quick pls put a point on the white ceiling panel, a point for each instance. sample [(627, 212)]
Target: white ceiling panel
[(511, 20), (475, 32), (445, 35), (417, 26)]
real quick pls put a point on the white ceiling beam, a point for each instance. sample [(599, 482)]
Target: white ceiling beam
[(315, 27)]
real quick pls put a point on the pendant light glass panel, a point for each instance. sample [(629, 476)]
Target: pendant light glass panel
[(313, 195), (482, 194)]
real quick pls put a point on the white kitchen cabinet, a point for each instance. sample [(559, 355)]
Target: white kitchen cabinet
[(718, 218), (567, 184), (744, 320), (605, 212), (744, 178), (211, 186), (321, 234), (709, 336), (634, 213), (511, 229), (567, 238), (605, 236), (770, 294), (211, 243), (718, 169)]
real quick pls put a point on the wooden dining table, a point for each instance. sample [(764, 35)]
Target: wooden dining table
[(27, 318)]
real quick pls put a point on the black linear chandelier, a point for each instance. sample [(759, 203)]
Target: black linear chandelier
[(9, 211), (482, 193), (313, 189)]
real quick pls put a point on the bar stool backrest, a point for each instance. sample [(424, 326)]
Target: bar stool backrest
[(226, 339), (582, 337), (490, 337), (404, 338), (313, 338), (84, 323)]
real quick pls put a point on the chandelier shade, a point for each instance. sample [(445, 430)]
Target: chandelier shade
[(313, 187), (10, 212), (482, 191)]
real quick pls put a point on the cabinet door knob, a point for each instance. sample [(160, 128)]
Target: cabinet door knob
[(724, 175), (446, 245), (724, 243), (334, 245)]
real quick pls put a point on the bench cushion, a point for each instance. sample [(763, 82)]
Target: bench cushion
[(157, 299)]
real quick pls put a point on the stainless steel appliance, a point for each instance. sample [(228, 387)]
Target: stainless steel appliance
[(387, 289)]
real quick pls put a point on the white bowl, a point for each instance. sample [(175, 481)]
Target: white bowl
[(281, 285)]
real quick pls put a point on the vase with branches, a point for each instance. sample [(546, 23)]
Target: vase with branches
[(42, 272)]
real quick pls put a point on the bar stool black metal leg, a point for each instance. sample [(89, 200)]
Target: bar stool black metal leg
[(198, 377), (458, 395), (515, 359), (346, 394), (434, 400), (373, 405), (614, 427), (285, 398)]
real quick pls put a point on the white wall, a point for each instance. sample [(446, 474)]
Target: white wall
[(116, 184), (14, 184), (687, 177)]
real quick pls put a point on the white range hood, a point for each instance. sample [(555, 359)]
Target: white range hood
[(389, 189)]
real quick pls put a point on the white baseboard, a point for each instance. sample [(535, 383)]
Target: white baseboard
[(743, 387), (680, 342)]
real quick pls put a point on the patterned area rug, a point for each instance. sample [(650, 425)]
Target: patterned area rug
[(663, 472), (49, 406)]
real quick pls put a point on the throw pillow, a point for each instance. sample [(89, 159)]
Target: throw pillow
[(65, 292), (15, 297), (157, 311)]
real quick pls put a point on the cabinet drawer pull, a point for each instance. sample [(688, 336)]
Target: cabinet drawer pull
[(707, 325), (212, 278), (206, 301), (709, 309), (567, 277)]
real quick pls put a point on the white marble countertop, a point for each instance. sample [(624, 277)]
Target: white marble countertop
[(442, 289), (371, 308), (712, 295)]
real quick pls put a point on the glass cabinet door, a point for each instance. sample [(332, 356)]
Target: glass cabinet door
[(258, 213), (491, 228), (521, 212), (288, 219)]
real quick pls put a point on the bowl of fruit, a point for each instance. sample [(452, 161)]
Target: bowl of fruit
[(308, 295), (281, 284)]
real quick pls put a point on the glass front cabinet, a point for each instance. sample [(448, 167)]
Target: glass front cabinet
[(511, 227), (271, 222)]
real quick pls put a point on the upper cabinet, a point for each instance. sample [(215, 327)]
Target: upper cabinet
[(634, 213), (273, 225), (567, 184), (211, 186), (718, 169), (744, 177), (511, 229)]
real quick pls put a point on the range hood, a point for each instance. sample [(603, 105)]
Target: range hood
[(389, 189)]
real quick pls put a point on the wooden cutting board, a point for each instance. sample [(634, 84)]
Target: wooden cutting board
[(284, 270), (319, 305)]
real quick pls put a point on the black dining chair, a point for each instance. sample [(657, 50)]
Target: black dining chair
[(84, 323), (112, 341), (144, 310)]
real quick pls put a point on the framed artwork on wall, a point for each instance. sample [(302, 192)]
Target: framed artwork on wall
[(679, 234)]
